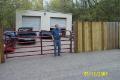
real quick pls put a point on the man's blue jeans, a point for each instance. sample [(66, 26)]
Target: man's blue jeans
[(57, 46)]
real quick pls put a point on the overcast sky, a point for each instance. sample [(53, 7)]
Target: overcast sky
[(45, 1)]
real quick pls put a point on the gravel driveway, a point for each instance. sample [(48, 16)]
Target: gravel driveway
[(69, 66)]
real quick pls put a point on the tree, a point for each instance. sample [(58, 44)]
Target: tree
[(9, 7), (60, 5), (37, 4), (107, 10), (7, 11)]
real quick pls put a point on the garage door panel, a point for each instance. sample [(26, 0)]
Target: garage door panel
[(34, 22), (60, 21)]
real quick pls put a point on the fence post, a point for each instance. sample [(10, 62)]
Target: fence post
[(70, 42), (41, 43), (2, 60), (78, 40)]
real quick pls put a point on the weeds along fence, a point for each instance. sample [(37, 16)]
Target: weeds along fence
[(96, 36)]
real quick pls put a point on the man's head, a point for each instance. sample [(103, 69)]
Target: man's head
[(56, 26)]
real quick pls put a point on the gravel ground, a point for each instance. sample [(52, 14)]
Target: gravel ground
[(69, 66)]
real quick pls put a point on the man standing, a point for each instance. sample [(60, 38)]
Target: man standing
[(56, 32)]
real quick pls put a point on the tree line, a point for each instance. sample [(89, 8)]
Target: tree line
[(8, 9), (89, 10)]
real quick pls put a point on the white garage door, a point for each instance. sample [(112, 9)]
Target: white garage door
[(28, 21), (60, 21)]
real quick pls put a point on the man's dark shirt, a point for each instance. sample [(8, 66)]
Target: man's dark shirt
[(56, 33)]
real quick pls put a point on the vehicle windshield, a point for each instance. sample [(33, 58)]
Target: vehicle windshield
[(26, 34), (10, 33)]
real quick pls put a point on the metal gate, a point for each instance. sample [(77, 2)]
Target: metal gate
[(43, 46)]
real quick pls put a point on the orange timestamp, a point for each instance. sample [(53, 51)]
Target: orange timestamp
[(95, 74)]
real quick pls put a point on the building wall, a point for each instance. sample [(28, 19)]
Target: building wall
[(45, 18)]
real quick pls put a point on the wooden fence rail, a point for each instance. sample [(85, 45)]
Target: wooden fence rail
[(96, 36)]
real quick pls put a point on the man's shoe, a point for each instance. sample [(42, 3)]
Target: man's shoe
[(59, 55), (55, 55)]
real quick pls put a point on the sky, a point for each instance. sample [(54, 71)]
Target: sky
[(45, 1)]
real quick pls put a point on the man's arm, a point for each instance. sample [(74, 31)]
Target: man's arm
[(52, 37), (60, 32), (52, 34)]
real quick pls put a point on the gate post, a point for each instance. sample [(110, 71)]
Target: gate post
[(70, 41), (2, 60), (41, 43)]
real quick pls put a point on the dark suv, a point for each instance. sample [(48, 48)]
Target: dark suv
[(45, 34), (9, 38)]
